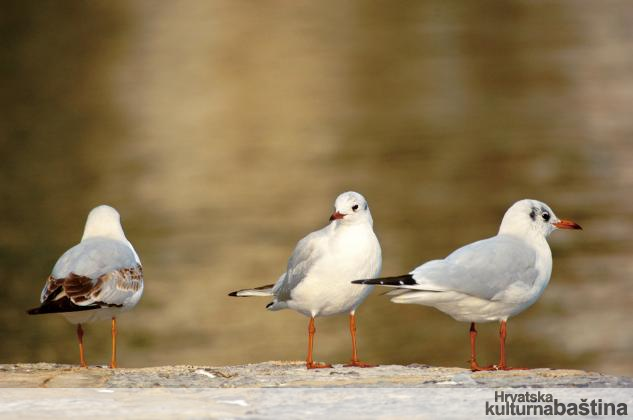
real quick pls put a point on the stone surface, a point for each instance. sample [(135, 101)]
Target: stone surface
[(294, 375)]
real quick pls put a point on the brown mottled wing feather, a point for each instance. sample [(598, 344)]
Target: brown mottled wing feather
[(80, 288), (118, 285), (52, 288), (80, 293), (128, 279), (57, 295)]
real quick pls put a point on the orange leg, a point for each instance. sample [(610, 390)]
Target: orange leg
[(310, 364), (502, 349), (502, 345), (80, 337), (114, 331), (352, 330), (474, 366)]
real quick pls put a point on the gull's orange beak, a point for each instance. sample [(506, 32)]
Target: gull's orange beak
[(336, 215), (567, 224)]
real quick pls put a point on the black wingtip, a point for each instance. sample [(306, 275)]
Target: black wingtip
[(233, 293), (406, 280), (63, 305)]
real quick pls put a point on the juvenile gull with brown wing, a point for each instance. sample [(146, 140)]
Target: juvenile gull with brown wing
[(96, 279)]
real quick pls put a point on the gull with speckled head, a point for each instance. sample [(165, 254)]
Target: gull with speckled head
[(96, 279), (488, 280), (318, 278)]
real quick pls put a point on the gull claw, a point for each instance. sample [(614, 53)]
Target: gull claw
[(358, 363), (315, 365)]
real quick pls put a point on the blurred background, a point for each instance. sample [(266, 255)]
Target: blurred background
[(223, 130)]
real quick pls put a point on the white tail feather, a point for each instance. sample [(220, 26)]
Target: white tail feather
[(254, 292)]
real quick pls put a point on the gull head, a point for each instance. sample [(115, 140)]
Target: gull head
[(104, 221), (533, 216), (351, 207)]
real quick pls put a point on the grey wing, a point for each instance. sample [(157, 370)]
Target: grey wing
[(95, 257), (306, 253), (482, 269)]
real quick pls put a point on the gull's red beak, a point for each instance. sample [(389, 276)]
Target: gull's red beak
[(567, 224), (336, 215)]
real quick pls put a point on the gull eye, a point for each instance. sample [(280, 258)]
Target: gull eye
[(355, 207), (545, 216)]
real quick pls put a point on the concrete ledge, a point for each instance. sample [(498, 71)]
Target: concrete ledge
[(294, 375)]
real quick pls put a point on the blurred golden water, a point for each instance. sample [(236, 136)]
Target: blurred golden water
[(223, 130)]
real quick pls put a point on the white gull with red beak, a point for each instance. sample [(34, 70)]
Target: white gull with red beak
[(318, 278), (488, 280)]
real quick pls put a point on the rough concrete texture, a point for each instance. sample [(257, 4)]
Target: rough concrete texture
[(294, 374)]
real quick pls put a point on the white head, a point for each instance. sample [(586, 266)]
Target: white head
[(533, 216), (351, 207), (104, 221)]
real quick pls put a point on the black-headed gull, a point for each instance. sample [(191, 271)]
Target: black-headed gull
[(323, 264), (96, 279), (488, 280)]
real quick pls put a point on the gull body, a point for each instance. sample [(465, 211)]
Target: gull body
[(317, 282), (488, 280), (318, 278), (96, 279)]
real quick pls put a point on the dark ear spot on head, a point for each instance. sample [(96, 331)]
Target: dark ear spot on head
[(365, 206), (533, 214)]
